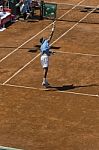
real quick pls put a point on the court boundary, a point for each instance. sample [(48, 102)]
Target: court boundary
[(42, 89), (48, 89)]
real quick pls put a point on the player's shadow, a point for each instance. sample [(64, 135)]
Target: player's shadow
[(88, 9), (63, 88), (33, 50), (69, 87), (55, 47)]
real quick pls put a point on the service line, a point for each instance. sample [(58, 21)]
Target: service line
[(73, 53)]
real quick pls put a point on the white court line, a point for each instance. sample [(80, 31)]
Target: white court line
[(51, 44), (49, 89), (8, 148), (38, 33), (72, 53)]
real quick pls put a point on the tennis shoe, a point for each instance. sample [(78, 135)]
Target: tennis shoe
[(45, 84)]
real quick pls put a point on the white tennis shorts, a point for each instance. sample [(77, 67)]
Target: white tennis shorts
[(44, 60)]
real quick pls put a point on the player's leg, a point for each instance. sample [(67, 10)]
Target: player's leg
[(45, 64), (45, 71), (45, 81)]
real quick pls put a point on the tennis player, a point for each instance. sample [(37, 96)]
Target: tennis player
[(45, 53)]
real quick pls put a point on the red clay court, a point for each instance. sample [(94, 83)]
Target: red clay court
[(65, 116)]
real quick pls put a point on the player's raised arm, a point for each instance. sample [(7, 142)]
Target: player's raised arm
[(52, 31)]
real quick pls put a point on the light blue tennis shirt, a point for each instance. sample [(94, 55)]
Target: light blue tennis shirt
[(45, 47)]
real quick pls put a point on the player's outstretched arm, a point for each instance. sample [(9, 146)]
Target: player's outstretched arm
[(53, 28)]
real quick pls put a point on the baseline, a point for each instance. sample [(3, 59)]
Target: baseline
[(48, 89)]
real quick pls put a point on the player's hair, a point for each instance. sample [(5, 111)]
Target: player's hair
[(41, 40)]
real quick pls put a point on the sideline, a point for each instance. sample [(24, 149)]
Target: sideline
[(38, 33), (49, 89)]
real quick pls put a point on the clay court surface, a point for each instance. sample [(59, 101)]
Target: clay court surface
[(65, 116)]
